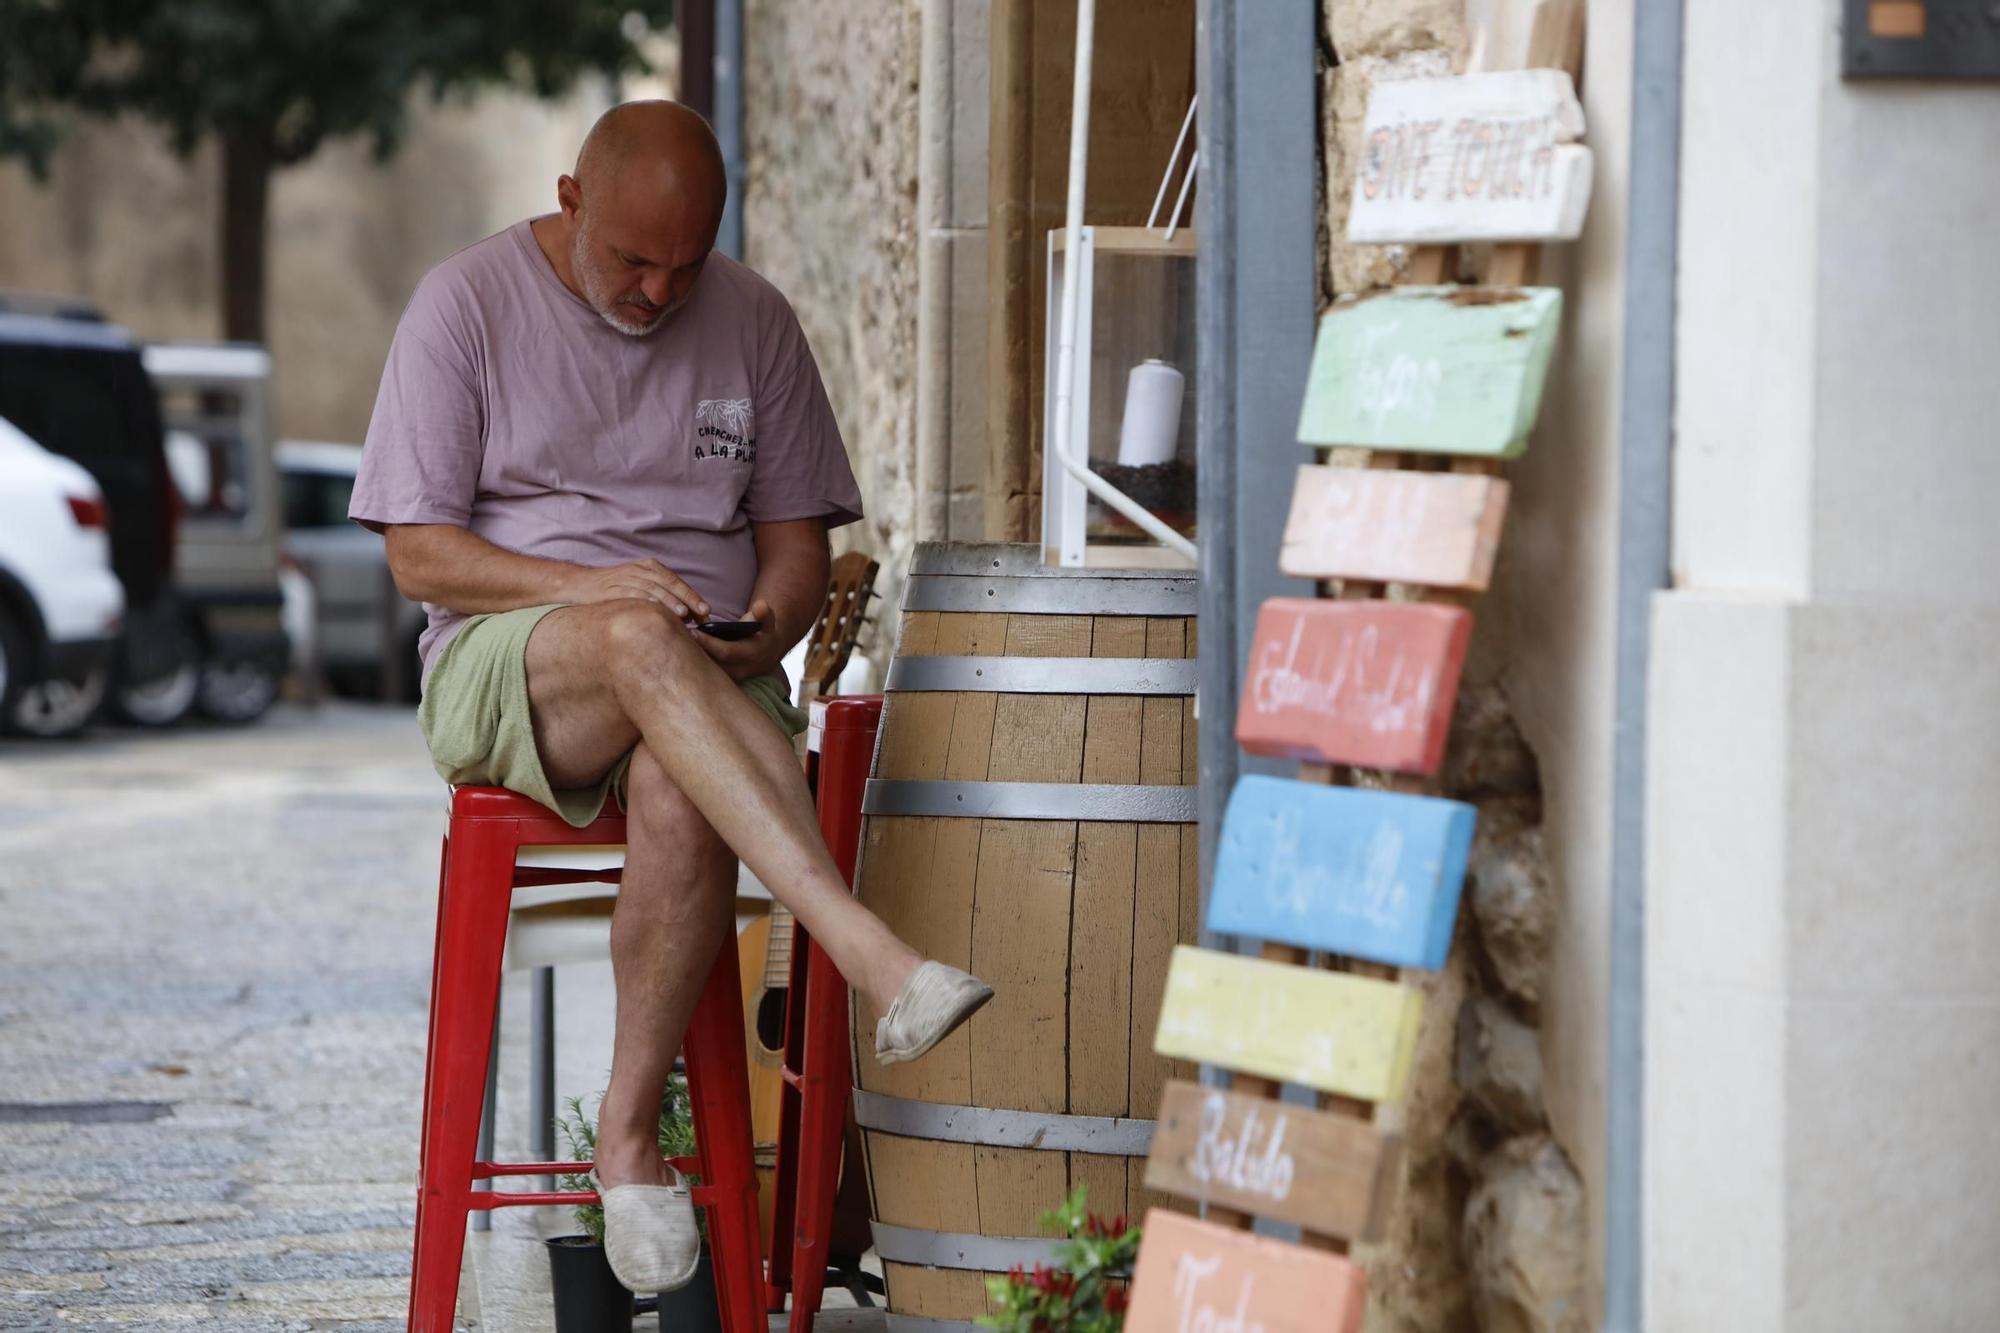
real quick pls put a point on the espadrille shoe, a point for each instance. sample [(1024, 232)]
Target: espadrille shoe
[(650, 1235), (929, 1008)]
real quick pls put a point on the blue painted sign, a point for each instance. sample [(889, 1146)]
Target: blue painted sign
[(1372, 874)]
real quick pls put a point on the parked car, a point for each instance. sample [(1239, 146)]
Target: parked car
[(75, 385), (214, 400), (60, 604), (364, 625)]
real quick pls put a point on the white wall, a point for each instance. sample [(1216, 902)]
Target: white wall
[(1822, 1004)]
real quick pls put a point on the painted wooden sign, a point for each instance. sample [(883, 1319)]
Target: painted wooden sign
[(1332, 1031), (1330, 1174), (1480, 157), (1374, 874), (1196, 1277), (1360, 682), (1441, 370), (1439, 529)]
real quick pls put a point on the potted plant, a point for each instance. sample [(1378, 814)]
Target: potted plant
[(1085, 1291), (588, 1296)]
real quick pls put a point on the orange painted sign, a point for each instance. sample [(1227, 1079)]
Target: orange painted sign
[(1365, 682), (1195, 1277)]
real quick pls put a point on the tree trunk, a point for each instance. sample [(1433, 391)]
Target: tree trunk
[(246, 189)]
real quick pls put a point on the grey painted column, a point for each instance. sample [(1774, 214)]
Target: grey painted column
[(1258, 295), (1645, 486)]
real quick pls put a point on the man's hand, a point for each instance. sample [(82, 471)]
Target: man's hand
[(758, 655), (646, 579)]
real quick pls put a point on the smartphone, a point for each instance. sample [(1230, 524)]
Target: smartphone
[(730, 629)]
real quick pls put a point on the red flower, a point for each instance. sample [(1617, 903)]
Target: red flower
[(1115, 1300)]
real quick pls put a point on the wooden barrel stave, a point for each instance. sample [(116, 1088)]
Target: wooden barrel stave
[(1044, 901)]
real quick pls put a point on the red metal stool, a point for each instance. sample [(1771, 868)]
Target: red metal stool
[(818, 1074), (488, 828)]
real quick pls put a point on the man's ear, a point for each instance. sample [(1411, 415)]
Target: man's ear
[(569, 196)]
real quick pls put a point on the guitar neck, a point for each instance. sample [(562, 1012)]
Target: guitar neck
[(778, 953)]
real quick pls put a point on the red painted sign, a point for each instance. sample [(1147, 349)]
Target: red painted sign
[(1368, 683), (1195, 1277)]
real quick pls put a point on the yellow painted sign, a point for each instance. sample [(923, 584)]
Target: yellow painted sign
[(1353, 1036)]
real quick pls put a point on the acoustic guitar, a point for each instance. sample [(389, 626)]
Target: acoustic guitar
[(764, 949)]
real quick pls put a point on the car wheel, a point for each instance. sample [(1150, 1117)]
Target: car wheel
[(59, 707), (237, 691), (165, 699)]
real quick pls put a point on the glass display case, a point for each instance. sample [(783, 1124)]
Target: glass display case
[(1132, 407)]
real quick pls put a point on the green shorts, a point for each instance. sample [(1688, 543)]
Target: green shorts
[(476, 720)]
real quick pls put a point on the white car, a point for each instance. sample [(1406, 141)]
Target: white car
[(60, 604), (365, 631)]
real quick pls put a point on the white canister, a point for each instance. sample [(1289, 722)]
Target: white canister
[(1152, 426)]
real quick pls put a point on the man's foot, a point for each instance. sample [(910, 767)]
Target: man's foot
[(935, 1000), (650, 1237)]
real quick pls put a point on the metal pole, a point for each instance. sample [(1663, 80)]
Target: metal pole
[(697, 30), (542, 1067), (1645, 543), (483, 1219), (728, 120)]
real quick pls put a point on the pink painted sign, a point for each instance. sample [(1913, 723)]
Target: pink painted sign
[(1196, 1277), (1367, 683)]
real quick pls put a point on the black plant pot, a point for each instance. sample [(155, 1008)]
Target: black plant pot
[(588, 1296), (692, 1309)]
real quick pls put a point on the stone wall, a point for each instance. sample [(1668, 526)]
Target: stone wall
[(830, 216)]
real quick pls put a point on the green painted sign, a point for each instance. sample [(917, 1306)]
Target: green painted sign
[(1438, 370)]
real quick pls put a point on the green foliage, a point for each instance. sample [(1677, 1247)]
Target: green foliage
[(1084, 1292), (579, 1136), (282, 76)]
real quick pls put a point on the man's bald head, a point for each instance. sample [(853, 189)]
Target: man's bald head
[(642, 210), (658, 148)]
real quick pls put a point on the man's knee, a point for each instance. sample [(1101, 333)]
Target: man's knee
[(634, 632)]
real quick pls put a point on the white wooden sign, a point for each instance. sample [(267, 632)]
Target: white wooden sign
[(1481, 157)]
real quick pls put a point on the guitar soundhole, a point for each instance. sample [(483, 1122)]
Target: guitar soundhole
[(770, 1022)]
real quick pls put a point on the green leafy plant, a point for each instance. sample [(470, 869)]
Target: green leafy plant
[(579, 1135), (269, 81), (1085, 1290)]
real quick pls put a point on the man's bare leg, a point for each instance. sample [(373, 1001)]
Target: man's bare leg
[(605, 676), (675, 906)]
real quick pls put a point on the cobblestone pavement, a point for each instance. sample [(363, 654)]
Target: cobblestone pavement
[(214, 956)]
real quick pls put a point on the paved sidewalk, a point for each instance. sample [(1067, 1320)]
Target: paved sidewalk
[(214, 957)]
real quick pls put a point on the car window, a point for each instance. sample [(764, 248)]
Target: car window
[(316, 499), (93, 406), (207, 448)]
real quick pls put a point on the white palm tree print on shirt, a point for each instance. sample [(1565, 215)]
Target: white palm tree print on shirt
[(730, 414)]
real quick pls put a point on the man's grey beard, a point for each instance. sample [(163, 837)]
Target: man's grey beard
[(616, 320), (612, 312)]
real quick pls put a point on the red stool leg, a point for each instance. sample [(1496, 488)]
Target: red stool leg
[(719, 1088), (825, 1082), (465, 985)]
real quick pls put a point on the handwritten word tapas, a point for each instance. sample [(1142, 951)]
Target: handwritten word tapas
[(1443, 370), (1196, 1277)]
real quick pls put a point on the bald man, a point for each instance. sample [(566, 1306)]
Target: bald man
[(593, 433)]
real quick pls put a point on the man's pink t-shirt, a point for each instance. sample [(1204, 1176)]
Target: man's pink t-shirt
[(509, 407)]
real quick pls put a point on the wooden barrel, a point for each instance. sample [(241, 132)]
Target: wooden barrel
[(1031, 818)]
